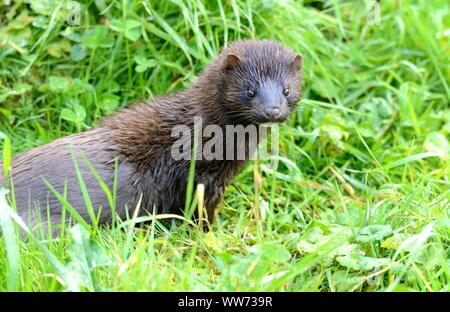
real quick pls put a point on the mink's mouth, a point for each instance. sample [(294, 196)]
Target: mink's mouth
[(266, 122), (263, 119)]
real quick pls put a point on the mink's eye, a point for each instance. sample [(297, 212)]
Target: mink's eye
[(251, 93), (286, 91)]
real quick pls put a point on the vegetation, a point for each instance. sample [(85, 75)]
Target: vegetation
[(358, 199)]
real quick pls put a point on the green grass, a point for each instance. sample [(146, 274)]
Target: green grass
[(357, 201)]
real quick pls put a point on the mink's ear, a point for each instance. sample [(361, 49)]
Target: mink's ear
[(297, 63), (231, 61)]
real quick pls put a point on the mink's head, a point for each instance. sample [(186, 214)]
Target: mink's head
[(261, 81)]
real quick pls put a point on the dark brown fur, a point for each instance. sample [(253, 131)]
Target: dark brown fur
[(139, 137)]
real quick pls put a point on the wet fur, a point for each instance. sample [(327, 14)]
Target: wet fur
[(139, 138)]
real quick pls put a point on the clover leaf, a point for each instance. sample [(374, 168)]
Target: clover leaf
[(130, 28), (143, 63), (373, 233)]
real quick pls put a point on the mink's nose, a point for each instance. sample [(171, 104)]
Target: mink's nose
[(272, 100), (272, 113)]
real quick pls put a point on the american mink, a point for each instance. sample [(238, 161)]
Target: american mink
[(249, 83)]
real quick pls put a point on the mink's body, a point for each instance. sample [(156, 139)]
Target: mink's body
[(250, 82)]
